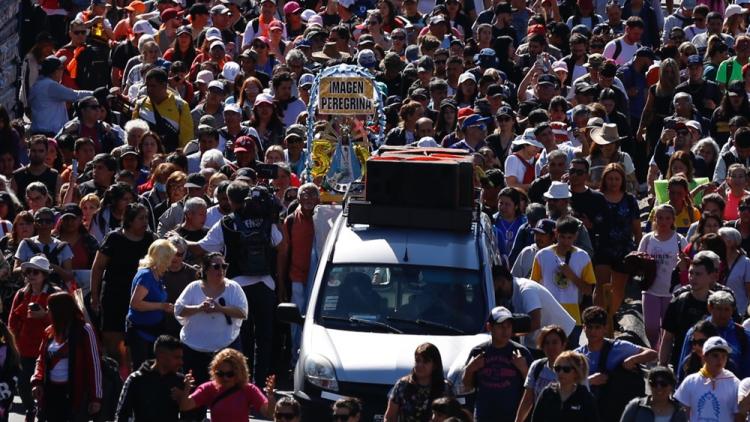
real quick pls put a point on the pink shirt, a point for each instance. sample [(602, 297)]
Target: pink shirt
[(235, 407), (732, 208)]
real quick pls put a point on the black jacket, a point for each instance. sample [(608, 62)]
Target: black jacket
[(146, 395), (579, 407)]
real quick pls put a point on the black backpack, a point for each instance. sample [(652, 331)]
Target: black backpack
[(93, 67), (622, 386), (111, 388), (52, 255)]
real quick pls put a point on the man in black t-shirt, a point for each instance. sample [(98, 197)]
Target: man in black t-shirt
[(706, 94), (588, 205), (688, 307), (37, 170)]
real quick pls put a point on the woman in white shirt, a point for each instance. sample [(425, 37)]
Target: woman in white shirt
[(214, 305)]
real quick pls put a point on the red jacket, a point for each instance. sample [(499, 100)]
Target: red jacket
[(28, 331), (84, 364)]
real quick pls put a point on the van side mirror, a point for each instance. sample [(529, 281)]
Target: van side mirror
[(521, 324), (289, 313)]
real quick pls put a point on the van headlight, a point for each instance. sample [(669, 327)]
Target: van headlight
[(319, 372)]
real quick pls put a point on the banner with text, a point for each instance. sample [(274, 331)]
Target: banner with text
[(346, 95)]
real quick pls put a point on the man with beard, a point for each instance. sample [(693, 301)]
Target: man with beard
[(37, 170)]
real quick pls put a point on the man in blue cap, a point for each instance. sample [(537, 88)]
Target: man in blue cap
[(475, 130)]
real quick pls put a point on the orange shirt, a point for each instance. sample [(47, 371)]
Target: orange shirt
[(300, 242)]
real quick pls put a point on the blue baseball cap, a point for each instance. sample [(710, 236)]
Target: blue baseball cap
[(475, 120)]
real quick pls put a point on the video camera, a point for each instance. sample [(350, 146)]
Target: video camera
[(260, 204)]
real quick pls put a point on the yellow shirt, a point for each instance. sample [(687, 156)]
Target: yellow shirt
[(545, 270), (175, 111)]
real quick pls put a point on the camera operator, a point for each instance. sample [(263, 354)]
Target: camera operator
[(248, 237)]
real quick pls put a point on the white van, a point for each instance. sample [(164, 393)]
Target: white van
[(378, 293)]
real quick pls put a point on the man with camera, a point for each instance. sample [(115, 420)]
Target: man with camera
[(248, 237)]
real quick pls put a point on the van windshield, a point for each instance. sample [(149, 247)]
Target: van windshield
[(407, 299)]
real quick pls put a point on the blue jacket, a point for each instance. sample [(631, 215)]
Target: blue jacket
[(47, 99), (739, 359), (633, 79)]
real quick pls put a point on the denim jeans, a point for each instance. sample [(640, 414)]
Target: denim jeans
[(300, 297), (257, 330)]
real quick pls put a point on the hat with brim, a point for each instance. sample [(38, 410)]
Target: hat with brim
[(558, 190), (73, 210), (329, 52), (544, 226), (716, 343), (499, 314), (606, 134), (37, 262), (527, 139)]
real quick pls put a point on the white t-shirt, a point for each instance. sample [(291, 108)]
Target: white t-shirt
[(213, 215), (709, 400), (59, 372), (626, 53), (514, 167), (209, 332), (546, 376), (666, 255), (214, 242), (528, 295), (546, 270)]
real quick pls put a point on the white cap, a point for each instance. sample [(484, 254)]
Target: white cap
[(216, 84), (306, 79), (143, 27), (230, 71), (346, 3), (466, 76), (213, 34), (315, 20), (528, 138), (217, 44), (733, 9), (499, 314), (427, 142), (308, 13), (714, 343), (204, 76), (233, 107)]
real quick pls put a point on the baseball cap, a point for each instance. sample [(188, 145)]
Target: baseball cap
[(220, 9), (217, 43), (464, 112), (244, 144), (499, 314), (548, 79), (437, 19), (736, 88), (137, 6), (143, 27), (595, 60), (366, 58), (306, 14), (169, 14), (495, 90), (128, 150), (184, 29), (71, 210), (233, 108), (505, 111), (51, 63), (536, 29), (291, 7), (694, 59), (474, 120), (275, 24), (263, 99), (544, 226), (198, 9), (195, 180), (716, 343), (694, 124), (216, 85), (213, 34), (297, 129), (230, 71), (609, 69), (466, 76), (204, 76), (306, 80)]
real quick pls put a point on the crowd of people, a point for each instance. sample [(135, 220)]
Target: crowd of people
[(145, 241)]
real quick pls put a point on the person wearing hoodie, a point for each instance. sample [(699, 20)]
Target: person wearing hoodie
[(659, 404), (681, 18), (147, 392)]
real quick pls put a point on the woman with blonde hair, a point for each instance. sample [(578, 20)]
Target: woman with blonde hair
[(148, 301), (568, 398), (229, 394), (659, 102), (89, 206)]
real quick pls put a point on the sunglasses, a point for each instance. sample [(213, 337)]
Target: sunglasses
[(285, 416), (31, 271), (340, 417), (577, 172), (698, 342), (227, 374), (259, 46), (44, 221), (79, 32), (217, 266), (660, 383), (563, 368), (398, 38)]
